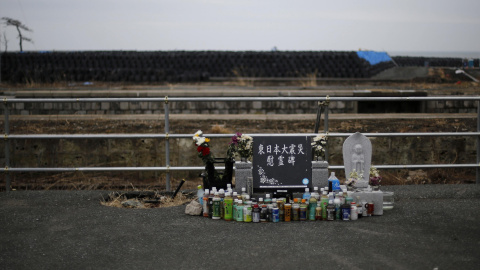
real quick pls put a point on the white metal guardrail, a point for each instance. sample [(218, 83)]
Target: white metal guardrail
[(166, 136)]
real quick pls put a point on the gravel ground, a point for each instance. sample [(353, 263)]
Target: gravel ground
[(430, 226)]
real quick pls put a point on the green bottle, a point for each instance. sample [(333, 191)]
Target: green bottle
[(324, 203), (216, 206), (228, 207), (312, 205)]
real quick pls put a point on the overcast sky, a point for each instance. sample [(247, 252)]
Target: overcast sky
[(381, 25)]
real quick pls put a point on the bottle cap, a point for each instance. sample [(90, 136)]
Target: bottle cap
[(216, 193), (267, 195), (199, 187), (307, 189), (330, 202), (235, 193), (228, 194), (207, 192), (255, 206), (236, 200), (340, 193), (240, 201), (336, 201), (315, 188), (229, 185), (247, 197), (244, 189), (222, 191), (260, 199), (274, 200), (303, 200), (295, 200)]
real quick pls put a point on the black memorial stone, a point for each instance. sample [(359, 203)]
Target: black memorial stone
[(282, 162)]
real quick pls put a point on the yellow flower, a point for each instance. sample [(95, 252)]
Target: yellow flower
[(207, 139)]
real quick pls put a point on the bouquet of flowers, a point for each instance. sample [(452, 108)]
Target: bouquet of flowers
[(353, 178), (241, 144), (318, 146), (375, 177), (203, 147)]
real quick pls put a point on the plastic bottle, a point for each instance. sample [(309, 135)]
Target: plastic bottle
[(264, 213), (288, 212), (331, 196), (239, 215), (244, 193), (303, 211), (341, 197), (307, 194), (295, 210), (270, 212), (315, 193), (247, 210), (312, 207), (228, 207), (268, 199), (318, 212), (345, 209), (349, 198), (338, 212), (221, 193), (281, 209), (333, 183), (234, 209), (256, 214), (324, 202), (200, 193), (206, 194), (216, 206), (353, 211), (330, 211), (275, 214), (210, 203)]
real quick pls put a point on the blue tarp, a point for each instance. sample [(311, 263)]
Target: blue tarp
[(374, 57)]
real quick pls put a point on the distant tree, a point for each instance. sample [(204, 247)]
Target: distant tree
[(18, 25)]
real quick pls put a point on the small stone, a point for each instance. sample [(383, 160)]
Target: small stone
[(132, 204), (194, 208)]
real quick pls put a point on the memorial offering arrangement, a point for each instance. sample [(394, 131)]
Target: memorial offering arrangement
[(326, 204), (282, 167)]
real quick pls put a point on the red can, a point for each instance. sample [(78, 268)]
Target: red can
[(370, 209)]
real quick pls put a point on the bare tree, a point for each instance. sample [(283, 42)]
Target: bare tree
[(5, 40), (18, 25)]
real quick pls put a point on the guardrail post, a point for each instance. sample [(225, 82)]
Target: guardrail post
[(325, 124), (7, 145), (167, 145), (478, 144)]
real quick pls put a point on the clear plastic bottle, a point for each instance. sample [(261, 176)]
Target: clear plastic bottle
[(200, 193), (268, 200), (307, 194), (338, 212), (247, 211), (256, 214), (353, 211), (244, 193), (234, 208), (333, 183), (330, 211), (222, 198), (324, 203), (206, 205), (240, 211), (315, 193)]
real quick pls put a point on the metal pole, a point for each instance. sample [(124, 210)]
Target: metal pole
[(478, 144), (7, 146), (325, 127), (167, 145)]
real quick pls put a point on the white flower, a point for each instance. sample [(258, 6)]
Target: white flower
[(199, 133), (199, 141)]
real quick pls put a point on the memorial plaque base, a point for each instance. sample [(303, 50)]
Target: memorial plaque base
[(371, 196)]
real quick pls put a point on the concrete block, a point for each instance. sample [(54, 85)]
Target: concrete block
[(105, 105), (47, 106), (319, 174), (20, 106), (257, 105), (243, 170), (370, 196), (123, 106)]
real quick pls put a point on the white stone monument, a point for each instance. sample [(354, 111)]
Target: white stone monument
[(357, 155)]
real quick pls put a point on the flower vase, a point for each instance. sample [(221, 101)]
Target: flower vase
[(375, 188)]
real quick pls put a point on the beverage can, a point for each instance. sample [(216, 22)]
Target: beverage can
[(275, 215)]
